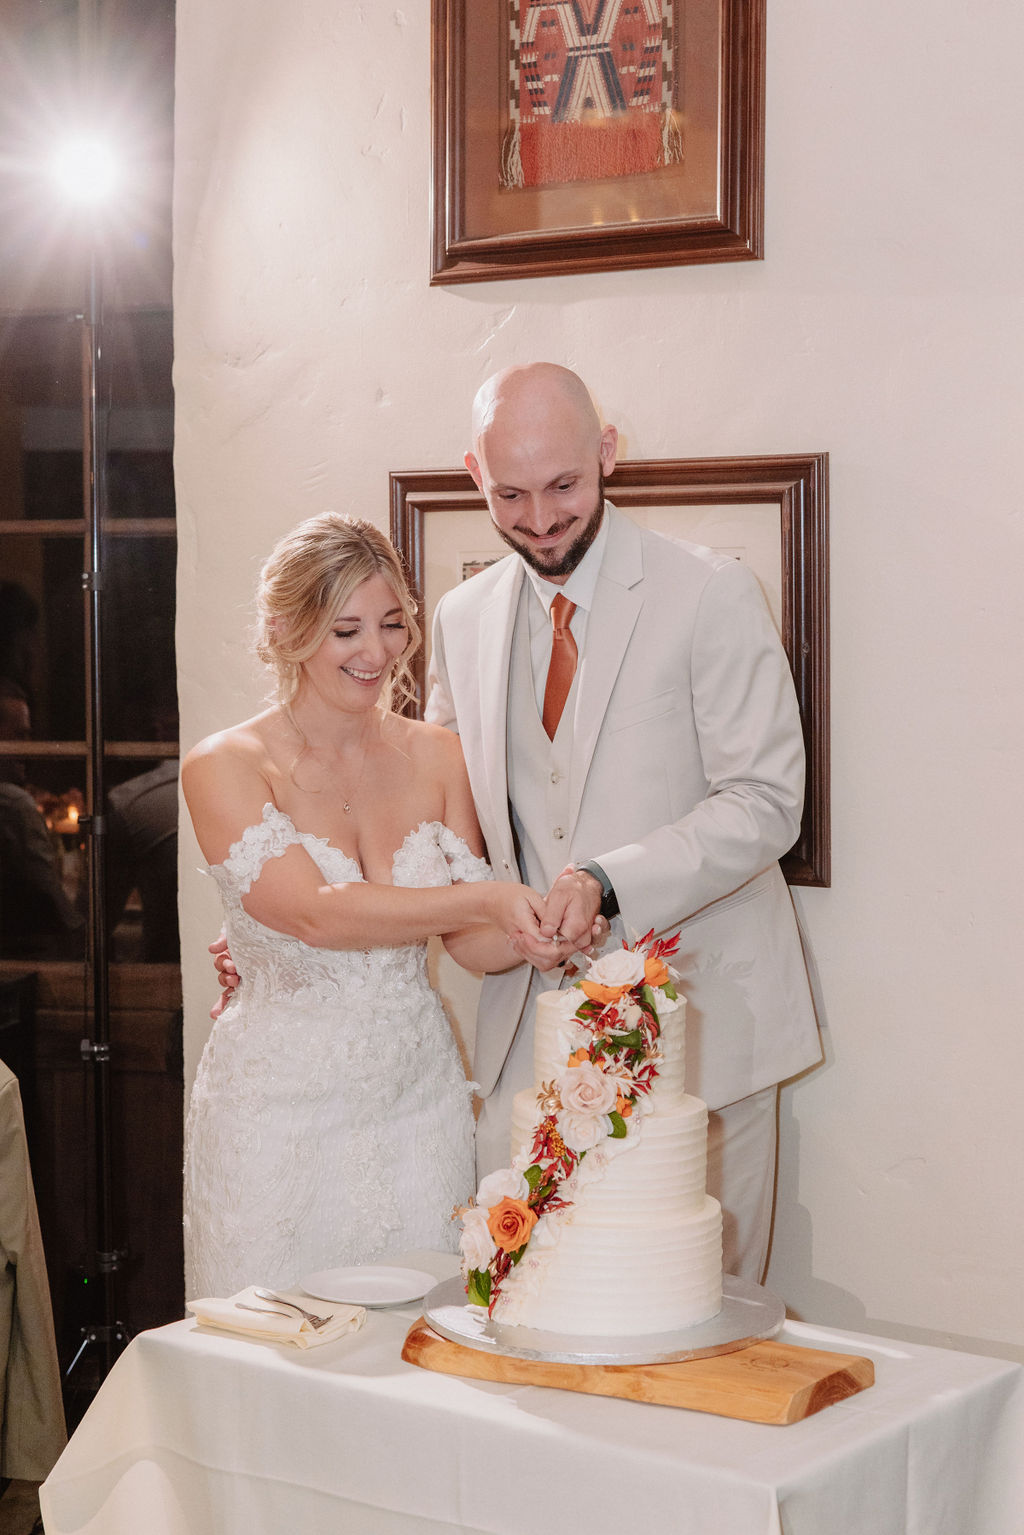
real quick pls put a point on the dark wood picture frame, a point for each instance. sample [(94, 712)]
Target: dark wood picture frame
[(708, 208), (796, 483)]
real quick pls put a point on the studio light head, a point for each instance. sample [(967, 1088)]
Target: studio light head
[(86, 171)]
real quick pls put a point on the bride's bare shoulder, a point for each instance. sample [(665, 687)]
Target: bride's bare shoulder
[(247, 745), (430, 746)]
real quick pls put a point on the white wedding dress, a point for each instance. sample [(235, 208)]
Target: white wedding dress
[(330, 1121)]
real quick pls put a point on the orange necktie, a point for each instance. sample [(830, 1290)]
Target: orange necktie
[(562, 666)]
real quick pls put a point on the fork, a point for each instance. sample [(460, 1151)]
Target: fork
[(310, 1316), (260, 1310)]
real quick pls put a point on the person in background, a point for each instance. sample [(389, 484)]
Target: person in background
[(37, 918)]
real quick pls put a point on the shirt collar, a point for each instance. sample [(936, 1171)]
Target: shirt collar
[(581, 583)]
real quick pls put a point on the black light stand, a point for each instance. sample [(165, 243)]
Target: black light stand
[(105, 1334)]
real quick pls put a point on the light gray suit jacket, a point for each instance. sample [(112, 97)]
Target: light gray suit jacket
[(32, 1432), (686, 783)]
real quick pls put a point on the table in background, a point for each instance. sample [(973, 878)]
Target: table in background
[(195, 1433)]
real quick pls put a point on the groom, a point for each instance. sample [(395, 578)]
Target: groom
[(634, 747)]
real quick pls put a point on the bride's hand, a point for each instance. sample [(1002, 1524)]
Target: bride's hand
[(518, 911)]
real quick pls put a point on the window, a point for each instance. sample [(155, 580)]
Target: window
[(43, 662)]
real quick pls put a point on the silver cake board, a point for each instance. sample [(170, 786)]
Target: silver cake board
[(749, 1314)]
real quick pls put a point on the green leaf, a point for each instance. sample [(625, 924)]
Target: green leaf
[(670, 991), (533, 1175), (478, 1291), (618, 1131), (631, 1041)]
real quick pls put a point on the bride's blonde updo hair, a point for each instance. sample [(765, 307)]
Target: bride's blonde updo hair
[(306, 583)]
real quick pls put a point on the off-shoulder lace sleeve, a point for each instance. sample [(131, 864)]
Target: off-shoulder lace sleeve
[(465, 866), (246, 857)]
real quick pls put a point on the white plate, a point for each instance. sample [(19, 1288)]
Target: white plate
[(369, 1284)]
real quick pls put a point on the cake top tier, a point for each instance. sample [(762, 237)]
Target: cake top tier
[(556, 1030)]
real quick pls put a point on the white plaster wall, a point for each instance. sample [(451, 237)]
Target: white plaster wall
[(884, 327)]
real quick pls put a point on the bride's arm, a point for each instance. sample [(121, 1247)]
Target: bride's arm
[(226, 792)]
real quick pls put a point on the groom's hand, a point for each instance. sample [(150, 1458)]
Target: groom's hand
[(572, 908), (227, 974)]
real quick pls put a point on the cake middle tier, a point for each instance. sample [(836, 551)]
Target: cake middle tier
[(664, 1170)]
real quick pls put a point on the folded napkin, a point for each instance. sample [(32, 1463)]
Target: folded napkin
[(291, 1329)]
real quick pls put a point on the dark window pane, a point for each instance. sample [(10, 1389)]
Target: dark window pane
[(52, 483), (140, 688), (42, 645), (140, 483)]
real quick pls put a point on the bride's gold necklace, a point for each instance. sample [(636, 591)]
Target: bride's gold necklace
[(346, 799)]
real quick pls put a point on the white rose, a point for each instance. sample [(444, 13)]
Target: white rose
[(506, 1183), (623, 967), (564, 1005), (586, 1089), (580, 1131), (476, 1243)]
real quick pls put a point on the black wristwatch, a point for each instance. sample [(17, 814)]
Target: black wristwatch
[(609, 907)]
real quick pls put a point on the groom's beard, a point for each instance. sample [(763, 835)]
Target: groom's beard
[(552, 565)]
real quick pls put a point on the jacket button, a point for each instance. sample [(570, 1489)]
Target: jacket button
[(558, 834)]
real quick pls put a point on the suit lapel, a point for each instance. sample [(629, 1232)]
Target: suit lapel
[(618, 599), (497, 622)]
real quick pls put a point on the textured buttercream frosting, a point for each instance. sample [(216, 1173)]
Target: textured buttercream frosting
[(640, 1251)]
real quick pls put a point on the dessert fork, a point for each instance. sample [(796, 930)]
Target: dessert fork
[(310, 1316)]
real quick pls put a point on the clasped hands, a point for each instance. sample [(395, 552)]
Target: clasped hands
[(566, 921)]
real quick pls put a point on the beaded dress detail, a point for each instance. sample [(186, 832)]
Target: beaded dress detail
[(330, 1120)]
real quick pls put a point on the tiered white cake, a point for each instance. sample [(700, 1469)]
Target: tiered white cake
[(640, 1251)]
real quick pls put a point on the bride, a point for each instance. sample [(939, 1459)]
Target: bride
[(330, 1121)]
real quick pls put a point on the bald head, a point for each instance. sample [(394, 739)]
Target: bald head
[(539, 456), (534, 392)]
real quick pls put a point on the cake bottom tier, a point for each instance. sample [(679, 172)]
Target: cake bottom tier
[(600, 1281)]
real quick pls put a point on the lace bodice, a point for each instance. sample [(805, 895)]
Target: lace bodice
[(330, 1120), (432, 855)]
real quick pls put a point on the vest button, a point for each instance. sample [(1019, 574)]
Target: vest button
[(556, 777), (558, 834)]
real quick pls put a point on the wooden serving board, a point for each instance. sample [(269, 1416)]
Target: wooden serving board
[(766, 1383)]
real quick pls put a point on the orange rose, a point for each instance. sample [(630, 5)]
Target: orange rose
[(624, 1106), (578, 1057), (510, 1224), (655, 972), (602, 994)]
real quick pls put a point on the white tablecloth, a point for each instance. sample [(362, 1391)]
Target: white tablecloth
[(194, 1433)]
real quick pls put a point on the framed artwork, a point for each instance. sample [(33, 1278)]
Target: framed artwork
[(770, 512), (595, 135)]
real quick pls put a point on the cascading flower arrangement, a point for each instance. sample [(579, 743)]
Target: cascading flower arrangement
[(600, 1095)]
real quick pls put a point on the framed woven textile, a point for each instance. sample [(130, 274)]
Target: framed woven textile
[(590, 135), (769, 512)]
